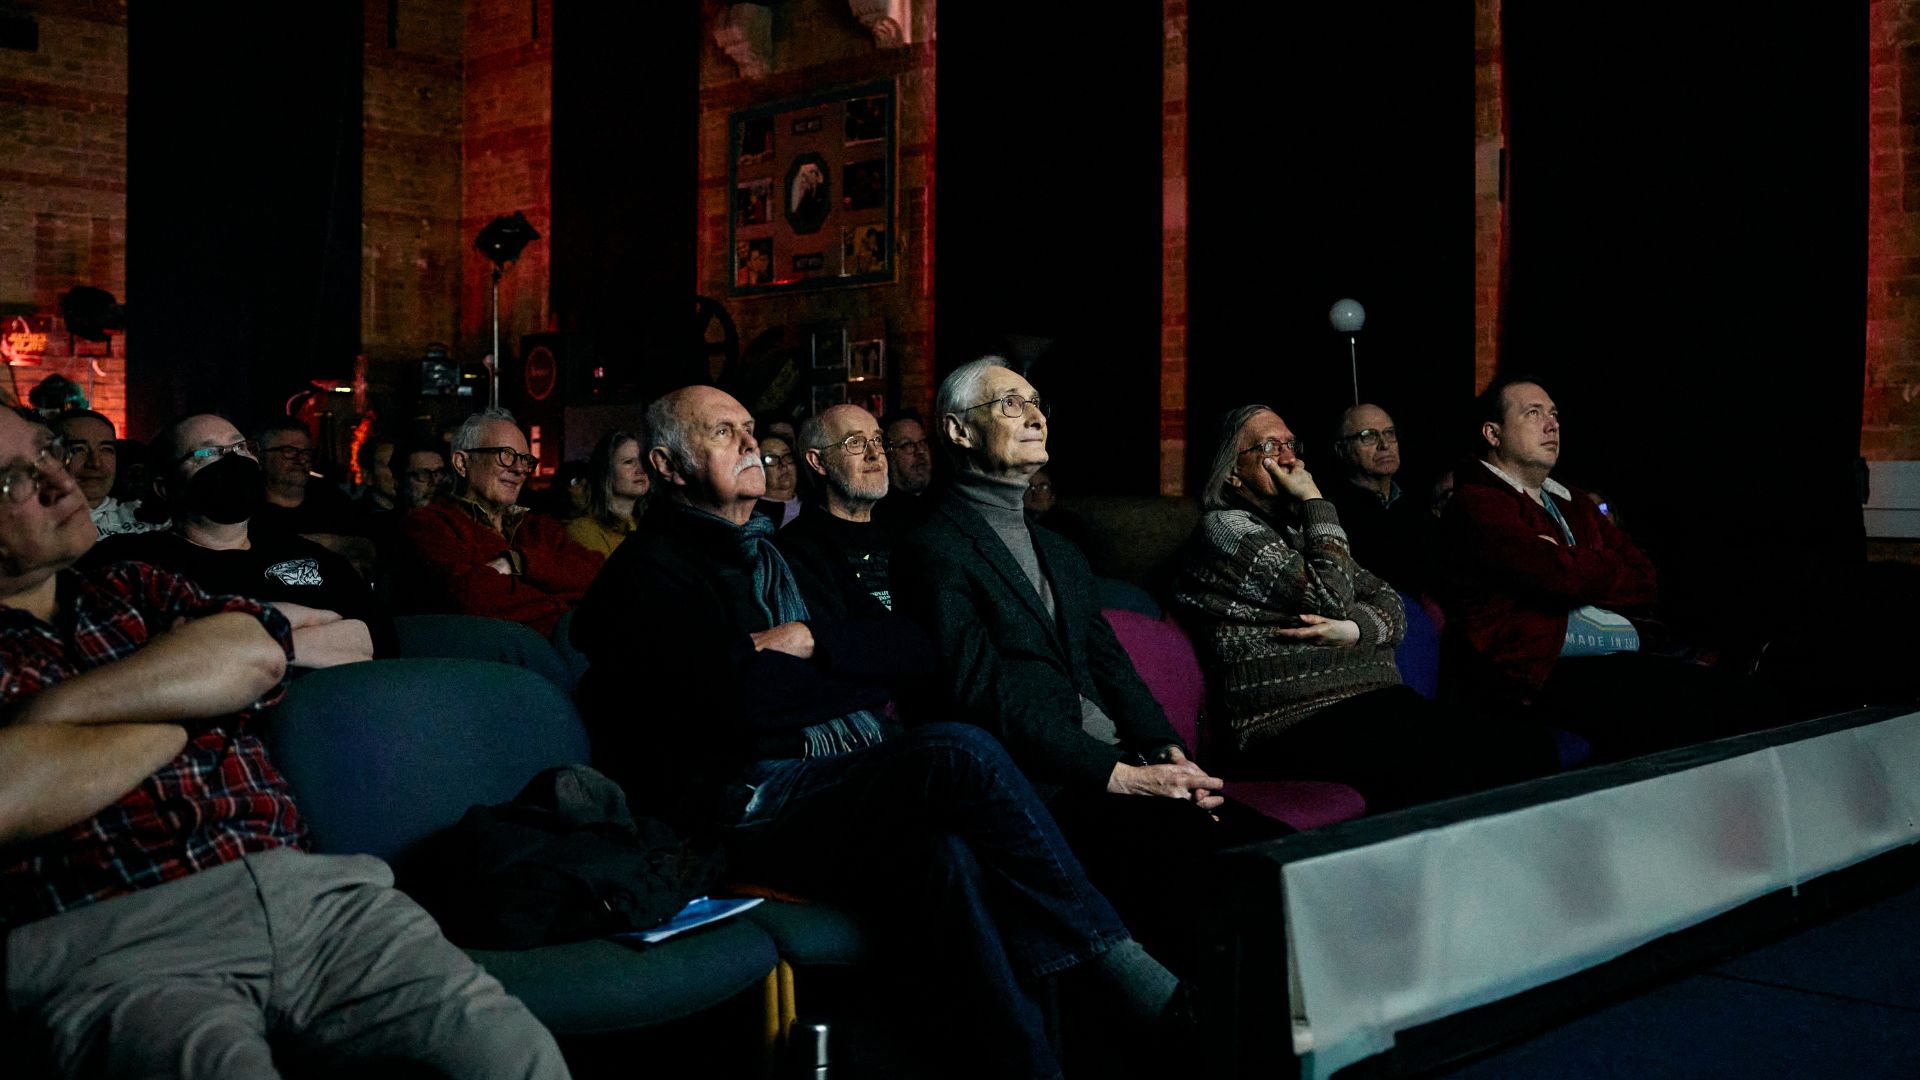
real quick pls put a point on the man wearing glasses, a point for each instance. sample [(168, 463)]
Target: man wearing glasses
[(1392, 535), (479, 553), (209, 477), (843, 450), (909, 473), (161, 917), (298, 503), (1026, 653)]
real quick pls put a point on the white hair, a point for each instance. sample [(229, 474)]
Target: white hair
[(467, 435)]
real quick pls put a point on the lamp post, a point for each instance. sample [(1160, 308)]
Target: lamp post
[(501, 241), (1347, 316)]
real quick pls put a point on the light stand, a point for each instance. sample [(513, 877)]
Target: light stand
[(1347, 316), (501, 241)]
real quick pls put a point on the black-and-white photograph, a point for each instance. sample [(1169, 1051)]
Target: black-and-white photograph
[(866, 120), (863, 185)]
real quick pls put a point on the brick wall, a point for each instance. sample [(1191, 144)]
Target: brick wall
[(507, 136), (1890, 412), (63, 190), (411, 231), (818, 45), (1488, 139), (1173, 253)]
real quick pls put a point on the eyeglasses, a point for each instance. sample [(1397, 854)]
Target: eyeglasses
[(22, 482), (506, 456), (858, 445), (1271, 447), (429, 475), (1371, 439), (771, 460), (214, 453), (292, 455), (74, 451), (1015, 406), (907, 446)]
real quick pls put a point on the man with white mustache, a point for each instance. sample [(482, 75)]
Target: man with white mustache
[(764, 718)]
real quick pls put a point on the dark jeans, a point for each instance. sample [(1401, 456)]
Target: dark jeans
[(1153, 858), (1399, 749), (1628, 704), (939, 836)]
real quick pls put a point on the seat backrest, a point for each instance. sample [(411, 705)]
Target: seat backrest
[(1166, 662), (384, 753), (1418, 656), (477, 637)]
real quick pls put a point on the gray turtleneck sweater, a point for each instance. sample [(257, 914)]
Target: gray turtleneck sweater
[(1003, 504)]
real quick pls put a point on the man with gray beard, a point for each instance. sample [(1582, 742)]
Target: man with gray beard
[(847, 457)]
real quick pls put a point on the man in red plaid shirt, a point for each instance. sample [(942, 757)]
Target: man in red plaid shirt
[(177, 927)]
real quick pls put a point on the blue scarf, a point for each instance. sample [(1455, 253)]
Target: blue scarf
[(779, 598)]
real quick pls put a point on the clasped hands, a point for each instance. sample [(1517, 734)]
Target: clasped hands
[(1177, 778)]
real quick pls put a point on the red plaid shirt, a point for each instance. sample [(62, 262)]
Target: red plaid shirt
[(220, 799)]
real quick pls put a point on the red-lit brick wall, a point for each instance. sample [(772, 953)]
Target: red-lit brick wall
[(1487, 142), (1890, 412), (818, 45), (508, 140), (63, 189), (1173, 252), (411, 231)]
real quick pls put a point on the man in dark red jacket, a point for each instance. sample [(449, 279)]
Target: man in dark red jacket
[(1548, 602), (477, 552)]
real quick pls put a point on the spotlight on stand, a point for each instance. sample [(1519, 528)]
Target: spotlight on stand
[(501, 241), (1347, 316)]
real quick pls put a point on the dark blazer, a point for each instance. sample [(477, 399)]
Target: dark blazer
[(1008, 668)]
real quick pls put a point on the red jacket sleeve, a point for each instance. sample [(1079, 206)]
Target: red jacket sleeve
[(456, 554), (1505, 536)]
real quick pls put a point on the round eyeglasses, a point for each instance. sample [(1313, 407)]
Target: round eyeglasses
[(1373, 439), (22, 482), (506, 456), (1272, 447), (1013, 406), (857, 445)]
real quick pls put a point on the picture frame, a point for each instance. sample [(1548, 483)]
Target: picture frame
[(814, 184)]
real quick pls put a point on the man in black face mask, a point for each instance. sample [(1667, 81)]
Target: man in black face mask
[(210, 477)]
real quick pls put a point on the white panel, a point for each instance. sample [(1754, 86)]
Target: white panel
[(1395, 934)]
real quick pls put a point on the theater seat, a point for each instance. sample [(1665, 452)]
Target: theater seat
[(1418, 656), (382, 754), (1166, 662), (477, 637)]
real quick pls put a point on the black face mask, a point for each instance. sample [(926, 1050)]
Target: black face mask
[(227, 491)]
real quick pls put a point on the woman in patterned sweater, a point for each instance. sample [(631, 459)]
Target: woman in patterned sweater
[(1299, 640)]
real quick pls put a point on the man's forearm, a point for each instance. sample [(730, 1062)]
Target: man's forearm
[(56, 775), (344, 641), (209, 667)]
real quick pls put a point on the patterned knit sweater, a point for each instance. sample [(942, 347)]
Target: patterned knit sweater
[(1243, 577)]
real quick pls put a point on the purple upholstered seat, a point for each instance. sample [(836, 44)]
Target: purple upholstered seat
[(1164, 657)]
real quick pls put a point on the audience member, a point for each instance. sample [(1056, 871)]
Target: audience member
[(771, 721), (616, 486), (782, 501), (479, 553), (1299, 641), (1041, 510), (1026, 654), (177, 928), (206, 474), (846, 453), (294, 504), (93, 459), (1390, 534), (379, 486), (1547, 600), (423, 476), (909, 473)]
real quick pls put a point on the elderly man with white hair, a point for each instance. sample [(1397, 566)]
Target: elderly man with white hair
[(764, 721), (478, 553), (1027, 654)]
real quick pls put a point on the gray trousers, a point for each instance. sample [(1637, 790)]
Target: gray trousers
[(316, 952)]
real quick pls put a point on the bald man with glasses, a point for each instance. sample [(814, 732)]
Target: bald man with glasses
[(1392, 535)]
